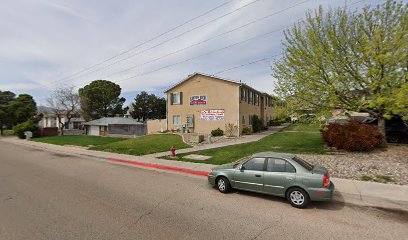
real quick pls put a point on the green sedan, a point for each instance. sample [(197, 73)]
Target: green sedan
[(275, 174)]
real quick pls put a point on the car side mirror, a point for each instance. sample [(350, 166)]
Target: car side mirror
[(242, 168)]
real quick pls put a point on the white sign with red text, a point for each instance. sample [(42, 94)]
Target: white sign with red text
[(212, 115)]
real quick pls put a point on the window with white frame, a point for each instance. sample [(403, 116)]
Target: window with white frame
[(176, 120)]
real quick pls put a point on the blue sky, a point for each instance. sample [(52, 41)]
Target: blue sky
[(44, 42)]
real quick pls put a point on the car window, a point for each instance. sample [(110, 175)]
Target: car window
[(279, 165), (256, 164), (303, 163)]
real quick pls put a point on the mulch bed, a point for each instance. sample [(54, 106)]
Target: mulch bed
[(387, 166)]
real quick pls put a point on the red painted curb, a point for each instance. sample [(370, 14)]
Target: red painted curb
[(157, 166)]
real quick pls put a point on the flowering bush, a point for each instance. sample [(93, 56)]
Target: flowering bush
[(353, 136)]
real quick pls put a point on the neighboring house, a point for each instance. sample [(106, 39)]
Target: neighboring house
[(50, 120), (115, 126), (201, 103)]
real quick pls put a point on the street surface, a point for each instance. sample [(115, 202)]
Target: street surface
[(45, 195)]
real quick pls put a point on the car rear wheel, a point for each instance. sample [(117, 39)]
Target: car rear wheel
[(223, 185), (298, 198)]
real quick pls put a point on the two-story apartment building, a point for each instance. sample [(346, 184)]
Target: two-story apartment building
[(201, 103)]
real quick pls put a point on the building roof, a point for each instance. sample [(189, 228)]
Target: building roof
[(105, 121), (202, 74), (218, 78)]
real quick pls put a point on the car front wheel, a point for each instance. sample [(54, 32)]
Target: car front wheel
[(223, 185), (298, 198)]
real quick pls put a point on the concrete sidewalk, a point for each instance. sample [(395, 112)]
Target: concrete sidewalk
[(387, 196), (243, 139)]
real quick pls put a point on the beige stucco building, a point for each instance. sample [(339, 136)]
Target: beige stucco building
[(201, 103)]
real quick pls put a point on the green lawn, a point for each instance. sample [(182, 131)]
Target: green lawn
[(83, 141), (285, 141), (304, 127), (144, 145)]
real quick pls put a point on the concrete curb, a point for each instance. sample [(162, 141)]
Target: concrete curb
[(368, 194)]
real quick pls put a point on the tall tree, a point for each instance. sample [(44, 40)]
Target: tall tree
[(14, 110), (24, 108), (65, 105), (6, 113), (351, 60), (101, 98), (148, 106)]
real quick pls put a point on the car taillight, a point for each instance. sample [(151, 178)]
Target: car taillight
[(326, 181)]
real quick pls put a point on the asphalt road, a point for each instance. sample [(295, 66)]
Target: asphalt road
[(46, 195)]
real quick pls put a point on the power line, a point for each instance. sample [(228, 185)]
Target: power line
[(149, 40), (208, 53), (247, 64), (211, 38), (217, 50), (163, 42), (205, 54)]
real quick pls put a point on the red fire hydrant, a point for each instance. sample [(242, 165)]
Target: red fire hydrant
[(172, 151)]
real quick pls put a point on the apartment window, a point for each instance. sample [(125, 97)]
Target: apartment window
[(176, 120), (177, 98), (243, 94), (250, 120), (243, 119)]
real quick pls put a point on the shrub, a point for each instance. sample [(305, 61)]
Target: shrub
[(26, 126), (257, 124), (277, 121), (353, 136), (217, 132), (246, 131), (231, 129)]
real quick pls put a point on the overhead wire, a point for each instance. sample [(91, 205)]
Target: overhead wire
[(84, 72), (220, 49)]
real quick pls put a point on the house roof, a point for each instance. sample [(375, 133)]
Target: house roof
[(105, 121), (202, 74)]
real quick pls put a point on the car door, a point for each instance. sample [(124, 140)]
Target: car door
[(250, 176), (279, 175)]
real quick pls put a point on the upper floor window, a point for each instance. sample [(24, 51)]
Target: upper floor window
[(243, 94), (176, 98)]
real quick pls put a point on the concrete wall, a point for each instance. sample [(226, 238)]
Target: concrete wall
[(93, 130), (221, 95), (154, 126)]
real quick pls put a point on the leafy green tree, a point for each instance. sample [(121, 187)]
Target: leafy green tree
[(15, 110), (148, 106), (24, 108), (6, 114), (101, 98), (350, 60)]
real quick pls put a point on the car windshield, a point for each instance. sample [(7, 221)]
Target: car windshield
[(303, 163), (239, 161)]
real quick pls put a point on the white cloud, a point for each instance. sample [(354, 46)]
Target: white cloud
[(44, 41)]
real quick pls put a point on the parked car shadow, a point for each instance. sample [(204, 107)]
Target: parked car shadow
[(334, 205)]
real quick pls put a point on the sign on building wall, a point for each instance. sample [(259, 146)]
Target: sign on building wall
[(198, 100), (212, 115)]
